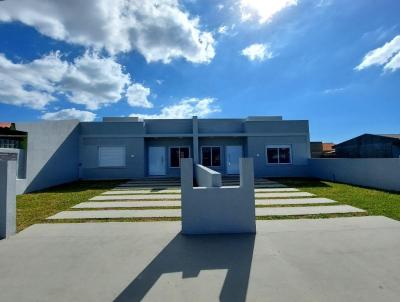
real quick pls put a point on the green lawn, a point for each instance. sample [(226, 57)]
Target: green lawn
[(36, 207), (376, 202)]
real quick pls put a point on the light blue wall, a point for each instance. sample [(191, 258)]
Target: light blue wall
[(381, 173), (52, 153), (89, 158), (300, 155)]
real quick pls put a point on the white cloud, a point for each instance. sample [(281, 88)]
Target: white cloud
[(161, 30), (220, 6), (31, 84), (94, 81), (223, 29), (387, 55), (257, 52), (137, 96), (263, 10), (70, 114), (334, 90), (89, 80), (186, 108)]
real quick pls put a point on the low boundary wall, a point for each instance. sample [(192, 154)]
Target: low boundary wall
[(217, 210), (206, 177), (380, 173)]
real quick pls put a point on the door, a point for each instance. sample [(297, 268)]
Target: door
[(157, 164), (233, 153)]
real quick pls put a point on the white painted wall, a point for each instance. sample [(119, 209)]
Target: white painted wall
[(381, 173)]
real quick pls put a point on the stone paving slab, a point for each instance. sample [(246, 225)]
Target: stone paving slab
[(138, 197), (145, 191), (177, 196), (177, 203), (127, 204), (178, 191), (278, 211), (283, 195)]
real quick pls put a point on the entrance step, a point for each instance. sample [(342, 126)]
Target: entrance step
[(176, 213)]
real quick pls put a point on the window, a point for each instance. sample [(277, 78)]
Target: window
[(279, 154), (112, 156), (211, 156), (175, 155)]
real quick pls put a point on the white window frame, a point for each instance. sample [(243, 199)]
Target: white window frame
[(220, 154), (169, 155), (278, 147), (111, 146)]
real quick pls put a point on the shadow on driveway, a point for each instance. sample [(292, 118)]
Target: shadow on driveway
[(190, 255)]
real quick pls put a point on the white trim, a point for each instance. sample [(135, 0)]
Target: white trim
[(169, 155), (220, 153), (278, 147), (111, 146)]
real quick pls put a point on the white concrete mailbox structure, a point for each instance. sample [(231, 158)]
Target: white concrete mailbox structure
[(8, 174), (215, 209)]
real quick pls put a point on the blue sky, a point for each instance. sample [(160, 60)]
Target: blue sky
[(335, 63)]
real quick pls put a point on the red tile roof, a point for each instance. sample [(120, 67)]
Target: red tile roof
[(5, 125)]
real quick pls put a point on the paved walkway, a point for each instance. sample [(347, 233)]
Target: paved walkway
[(303, 260), (177, 203), (160, 198)]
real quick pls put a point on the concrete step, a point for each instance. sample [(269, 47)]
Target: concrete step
[(272, 211), (177, 203)]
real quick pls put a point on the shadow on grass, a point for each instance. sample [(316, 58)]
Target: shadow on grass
[(81, 185), (192, 254)]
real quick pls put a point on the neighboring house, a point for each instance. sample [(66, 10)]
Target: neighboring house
[(370, 146), (14, 141), (320, 149), (11, 138), (124, 148)]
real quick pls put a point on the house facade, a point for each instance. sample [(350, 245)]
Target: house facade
[(125, 148)]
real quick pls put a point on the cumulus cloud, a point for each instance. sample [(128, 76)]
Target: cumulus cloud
[(88, 80), (257, 52), (263, 10), (70, 114), (161, 30), (31, 84), (388, 56), (186, 108), (137, 96)]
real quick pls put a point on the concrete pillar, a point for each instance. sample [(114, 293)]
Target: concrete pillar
[(195, 140), (8, 175), (186, 174), (246, 173)]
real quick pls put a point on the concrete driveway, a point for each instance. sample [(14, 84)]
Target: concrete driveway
[(339, 259)]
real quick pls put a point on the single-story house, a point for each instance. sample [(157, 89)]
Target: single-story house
[(128, 147), (370, 146)]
